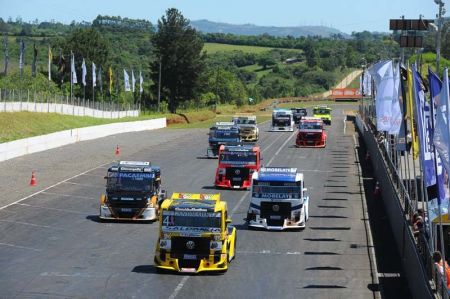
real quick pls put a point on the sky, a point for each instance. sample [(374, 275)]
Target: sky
[(346, 15)]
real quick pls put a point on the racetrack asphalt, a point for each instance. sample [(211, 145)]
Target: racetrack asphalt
[(53, 246)]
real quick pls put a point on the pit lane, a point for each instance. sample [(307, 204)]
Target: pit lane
[(52, 244)]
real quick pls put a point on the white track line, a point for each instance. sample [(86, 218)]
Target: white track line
[(21, 247), (179, 287), (68, 195), (52, 186), (30, 224), (281, 147), (51, 209)]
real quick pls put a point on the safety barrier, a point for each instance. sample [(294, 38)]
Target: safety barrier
[(9, 150)]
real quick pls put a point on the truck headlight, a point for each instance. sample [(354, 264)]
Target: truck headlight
[(216, 245), (164, 244), (222, 171)]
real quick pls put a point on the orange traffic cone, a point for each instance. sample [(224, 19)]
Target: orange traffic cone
[(117, 150), (367, 156), (33, 179), (376, 191)]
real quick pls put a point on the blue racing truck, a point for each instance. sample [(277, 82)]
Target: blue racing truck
[(222, 133)]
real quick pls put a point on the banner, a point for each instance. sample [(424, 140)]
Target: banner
[(133, 81), (396, 113), (367, 84), (50, 58), (21, 56), (126, 80), (424, 131), (72, 70), (410, 115), (110, 80), (94, 75), (141, 81), (33, 65), (100, 80), (83, 73)]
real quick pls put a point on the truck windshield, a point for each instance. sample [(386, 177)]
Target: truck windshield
[(192, 220), (248, 158), (130, 181), (282, 116), (245, 121), (277, 191), (226, 134), (322, 111), (311, 126)]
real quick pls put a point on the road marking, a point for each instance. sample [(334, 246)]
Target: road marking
[(179, 287), (18, 246), (268, 252), (52, 186), (270, 145), (52, 209), (68, 195), (281, 147), (30, 224), (82, 185)]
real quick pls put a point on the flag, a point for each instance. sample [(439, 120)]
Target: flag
[(384, 77), (424, 130), (110, 80), (365, 84), (33, 66), (410, 115), (6, 54), (126, 80), (133, 81), (141, 81), (83, 73), (50, 57), (21, 56), (72, 70), (100, 82), (396, 113), (94, 75)]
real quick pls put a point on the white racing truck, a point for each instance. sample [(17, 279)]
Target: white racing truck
[(278, 199), (282, 120)]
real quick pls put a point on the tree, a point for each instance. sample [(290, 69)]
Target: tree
[(178, 50), (266, 59)]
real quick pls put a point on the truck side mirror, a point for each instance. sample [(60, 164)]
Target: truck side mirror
[(305, 189), (105, 177), (228, 221)]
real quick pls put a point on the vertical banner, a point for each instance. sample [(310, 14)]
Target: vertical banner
[(72, 70), (126, 80), (50, 58), (424, 131), (396, 112), (94, 75), (141, 81), (21, 56), (367, 84), (110, 80), (33, 65), (133, 81), (83, 72), (410, 115), (100, 80)]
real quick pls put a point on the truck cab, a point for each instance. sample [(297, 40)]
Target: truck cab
[(278, 199), (324, 113), (195, 234), (298, 113), (311, 133), (222, 133), (282, 120), (133, 192), (248, 128), (237, 165)]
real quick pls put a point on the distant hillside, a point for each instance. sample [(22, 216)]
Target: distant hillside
[(249, 29)]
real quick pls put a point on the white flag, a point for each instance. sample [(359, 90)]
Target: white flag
[(133, 81), (396, 112), (83, 72), (383, 76), (141, 80), (126, 79), (94, 75), (72, 70)]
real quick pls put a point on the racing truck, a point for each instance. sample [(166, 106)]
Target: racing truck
[(282, 120), (278, 199), (311, 133), (222, 133), (248, 129), (298, 113), (237, 165), (195, 234), (133, 192), (324, 113)]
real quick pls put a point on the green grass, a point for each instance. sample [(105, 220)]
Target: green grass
[(309, 104), (260, 72), (212, 48)]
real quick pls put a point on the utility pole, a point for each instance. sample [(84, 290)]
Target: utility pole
[(159, 83), (441, 12)]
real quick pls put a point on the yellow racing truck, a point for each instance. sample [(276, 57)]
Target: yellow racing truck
[(248, 128), (324, 113), (195, 234)]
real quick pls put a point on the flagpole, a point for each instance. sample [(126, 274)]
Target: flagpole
[(71, 77)]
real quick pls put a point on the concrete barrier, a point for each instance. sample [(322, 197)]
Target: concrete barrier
[(17, 148), (66, 109)]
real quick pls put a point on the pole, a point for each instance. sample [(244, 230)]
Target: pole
[(159, 83), (438, 34)]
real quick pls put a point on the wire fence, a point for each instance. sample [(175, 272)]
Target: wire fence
[(32, 101), (406, 176)]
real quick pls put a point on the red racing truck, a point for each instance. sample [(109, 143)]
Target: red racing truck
[(311, 133), (236, 166)]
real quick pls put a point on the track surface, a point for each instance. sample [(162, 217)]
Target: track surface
[(52, 245)]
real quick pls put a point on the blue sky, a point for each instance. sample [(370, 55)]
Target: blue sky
[(345, 15)]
